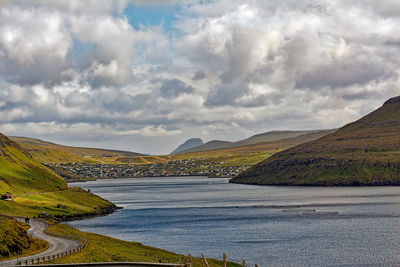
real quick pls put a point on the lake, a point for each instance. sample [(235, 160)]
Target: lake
[(267, 225)]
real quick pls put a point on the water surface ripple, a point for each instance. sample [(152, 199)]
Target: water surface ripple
[(271, 226)]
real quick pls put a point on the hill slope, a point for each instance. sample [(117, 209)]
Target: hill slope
[(53, 153), (36, 189), (190, 143), (211, 145), (20, 173), (258, 138), (365, 152)]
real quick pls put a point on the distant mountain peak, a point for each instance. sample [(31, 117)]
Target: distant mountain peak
[(188, 144)]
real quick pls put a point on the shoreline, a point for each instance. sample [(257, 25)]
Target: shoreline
[(76, 217), (353, 184), (138, 177)]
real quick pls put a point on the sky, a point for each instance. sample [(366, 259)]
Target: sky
[(145, 75)]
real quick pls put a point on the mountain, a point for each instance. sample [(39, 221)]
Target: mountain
[(192, 142), (53, 153), (365, 152), (259, 138), (211, 145)]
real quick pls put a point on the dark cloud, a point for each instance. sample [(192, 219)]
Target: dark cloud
[(341, 75), (174, 87), (226, 94), (199, 75)]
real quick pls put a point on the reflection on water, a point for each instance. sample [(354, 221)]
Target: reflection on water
[(278, 226)]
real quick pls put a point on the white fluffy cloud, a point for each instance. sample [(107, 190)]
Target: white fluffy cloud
[(78, 70)]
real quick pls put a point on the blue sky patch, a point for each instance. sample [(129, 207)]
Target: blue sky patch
[(152, 15)]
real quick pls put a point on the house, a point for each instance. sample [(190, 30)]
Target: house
[(6, 196), (44, 215)]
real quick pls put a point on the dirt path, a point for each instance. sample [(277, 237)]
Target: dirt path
[(57, 245)]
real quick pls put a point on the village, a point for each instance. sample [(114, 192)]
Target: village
[(190, 167)]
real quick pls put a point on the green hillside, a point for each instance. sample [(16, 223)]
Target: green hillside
[(54, 153), (36, 189), (365, 152), (20, 173)]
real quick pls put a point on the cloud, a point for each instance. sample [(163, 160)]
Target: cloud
[(34, 44), (226, 69), (174, 87)]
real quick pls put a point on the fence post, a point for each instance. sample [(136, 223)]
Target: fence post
[(224, 258), (190, 260), (243, 263), (205, 260)]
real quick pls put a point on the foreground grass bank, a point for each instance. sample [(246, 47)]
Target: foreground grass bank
[(107, 249), (62, 204), (15, 242)]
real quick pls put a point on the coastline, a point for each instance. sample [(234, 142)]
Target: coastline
[(102, 212)]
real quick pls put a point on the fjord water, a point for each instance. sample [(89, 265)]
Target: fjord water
[(274, 226)]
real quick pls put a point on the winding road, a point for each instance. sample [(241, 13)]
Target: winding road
[(57, 245)]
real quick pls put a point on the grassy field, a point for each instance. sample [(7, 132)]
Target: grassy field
[(365, 152), (14, 241), (106, 249)]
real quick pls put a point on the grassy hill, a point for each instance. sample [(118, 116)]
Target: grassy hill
[(36, 189), (259, 138), (53, 153), (365, 152), (21, 173)]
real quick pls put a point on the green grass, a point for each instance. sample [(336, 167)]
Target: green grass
[(69, 202), (20, 173), (14, 240), (104, 249)]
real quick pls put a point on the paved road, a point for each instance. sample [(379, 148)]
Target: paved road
[(57, 245)]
